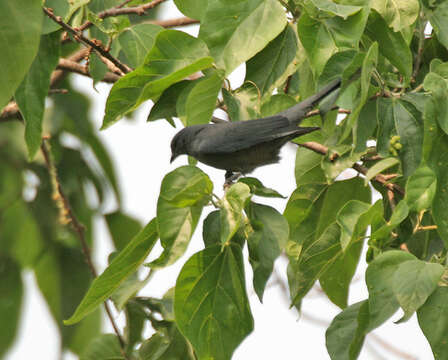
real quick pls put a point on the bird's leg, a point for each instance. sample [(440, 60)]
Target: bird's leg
[(230, 178)]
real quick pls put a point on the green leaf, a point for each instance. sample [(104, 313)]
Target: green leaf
[(437, 16), (379, 167), (33, 90), (313, 261), (122, 228), (166, 344), (137, 41), (257, 188), (323, 37), (232, 205), (400, 213), (123, 265), (60, 8), (353, 221), (244, 103), (408, 122), (433, 320), (345, 335), (192, 8), (332, 8), (365, 126), (398, 14), (165, 107), (11, 293), (368, 65), (380, 283), (391, 44), (308, 168), (438, 161), (210, 302), (20, 39), (104, 347), (386, 125), (272, 66), (315, 240), (164, 65), (438, 86), (414, 281), (269, 237), (183, 194), (20, 234), (228, 29), (421, 188), (97, 68), (201, 99), (277, 103)]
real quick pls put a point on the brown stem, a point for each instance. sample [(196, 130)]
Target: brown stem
[(67, 214), (81, 38), (169, 23), (322, 149), (120, 10)]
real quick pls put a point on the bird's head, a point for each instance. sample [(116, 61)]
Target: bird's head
[(182, 140), (178, 145)]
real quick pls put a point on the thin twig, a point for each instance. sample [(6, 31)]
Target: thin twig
[(81, 38), (68, 216), (322, 149), (169, 23), (120, 10)]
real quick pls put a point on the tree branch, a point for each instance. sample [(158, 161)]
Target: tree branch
[(321, 149), (81, 38), (120, 10), (67, 216), (169, 23)]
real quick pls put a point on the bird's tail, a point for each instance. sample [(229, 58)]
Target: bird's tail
[(296, 113)]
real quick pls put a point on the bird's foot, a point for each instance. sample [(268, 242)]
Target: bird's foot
[(230, 179)]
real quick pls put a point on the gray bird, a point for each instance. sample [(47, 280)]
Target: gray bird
[(243, 146)]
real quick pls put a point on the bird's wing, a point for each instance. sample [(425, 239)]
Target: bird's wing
[(227, 138)]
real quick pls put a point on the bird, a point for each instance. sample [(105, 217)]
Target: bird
[(242, 146)]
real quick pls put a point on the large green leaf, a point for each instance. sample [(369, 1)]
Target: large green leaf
[(437, 16), (183, 194), (345, 335), (236, 30), (244, 103), (379, 167), (21, 27), (368, 65), (323, 37), (314, 245), (414, 281), (33, 90), (122, 228), (438, 86), (192, 8), (11, 291), (174, 56), (210, 302), (391, 44), (166, 344), (268, 239), (380, 283), (103, 347), (232, 205), (271, 66), (122, 266), (137, 41), (398, 14), (421, 188), (433, 320), (197, 102), (332, 8)]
